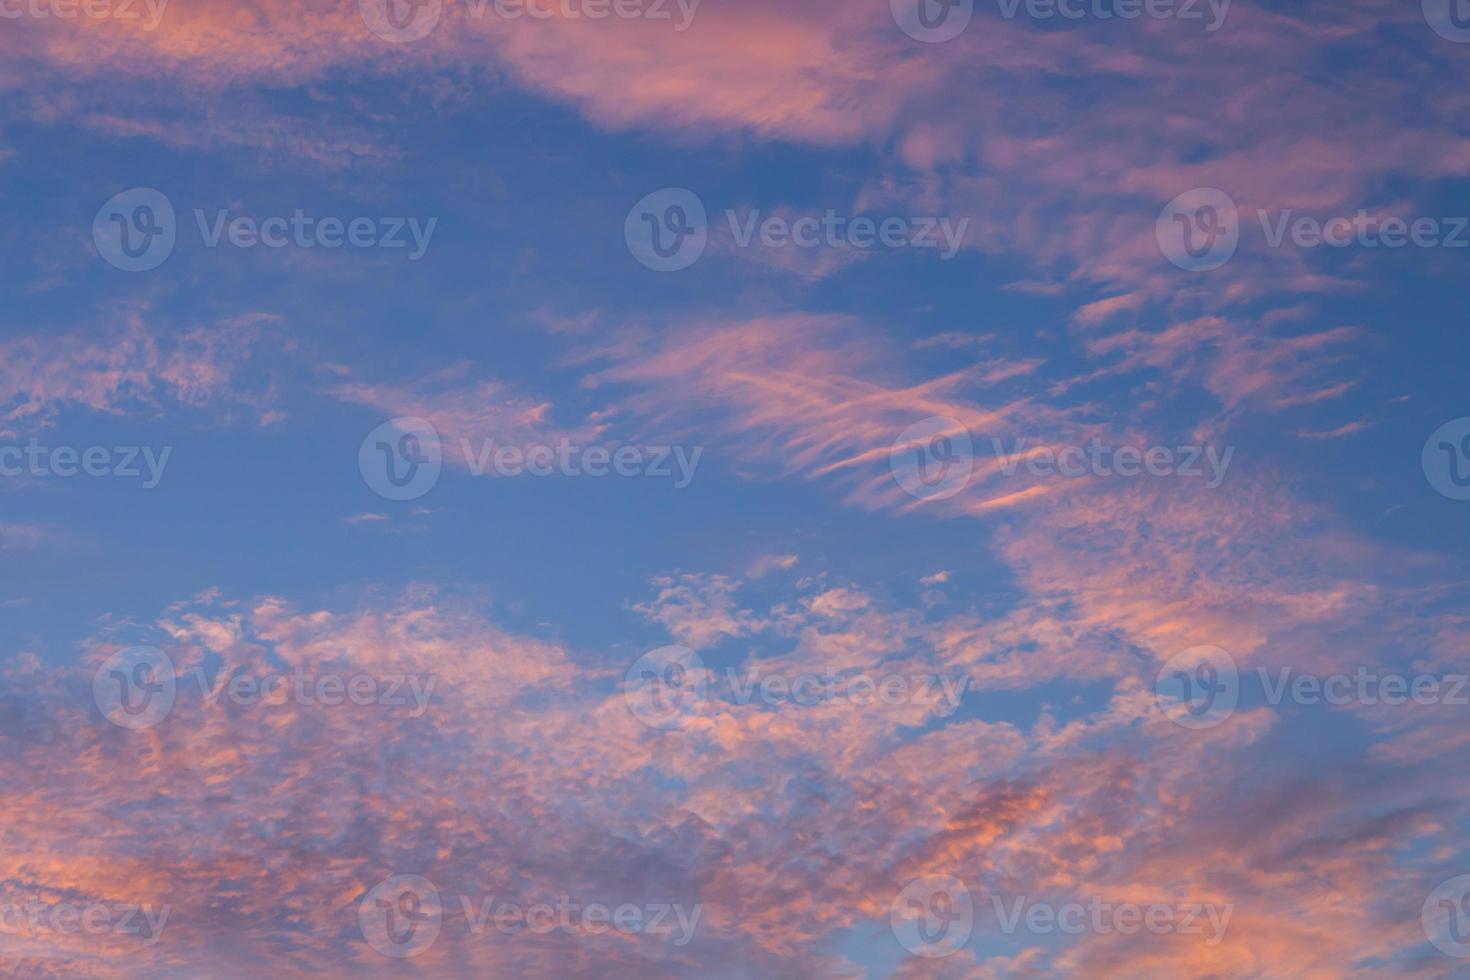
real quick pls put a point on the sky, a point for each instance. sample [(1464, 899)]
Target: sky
[(928, 489)]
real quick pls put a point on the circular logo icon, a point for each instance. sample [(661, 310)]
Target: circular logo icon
[(933, 916), (933, 459), (401, 21), (932, 21), (402, 458), (135, 688), (135, 230), (665, 686), (1446, 917), (667, 230), (401, 916), (1198, 687), (1199, 230), (1449, 18), (1446, 459)]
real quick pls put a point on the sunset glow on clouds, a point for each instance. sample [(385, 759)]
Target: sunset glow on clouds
[(657, 488)]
